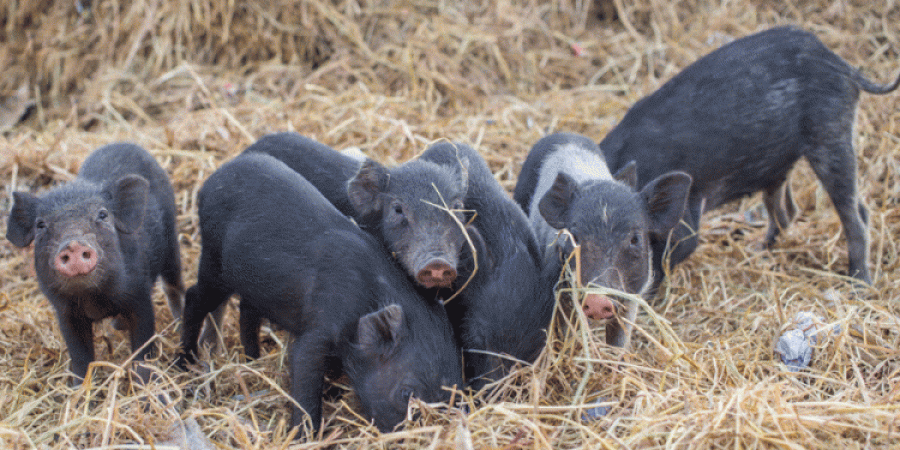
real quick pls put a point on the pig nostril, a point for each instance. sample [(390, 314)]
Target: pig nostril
[(64, 259), (86, 255)]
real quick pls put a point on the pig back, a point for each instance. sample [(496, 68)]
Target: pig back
[(739, 113), (325, 168)]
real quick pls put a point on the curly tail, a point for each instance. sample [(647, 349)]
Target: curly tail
[(871, 87)]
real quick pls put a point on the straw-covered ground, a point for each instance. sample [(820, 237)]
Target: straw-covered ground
[(196, 81)]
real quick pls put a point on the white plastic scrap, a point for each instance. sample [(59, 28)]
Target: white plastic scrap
[(596, 412), (795, 345), (188, 435)]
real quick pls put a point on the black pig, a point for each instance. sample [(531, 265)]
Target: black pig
[(502, 315), (738, 119), (269, 236), (398, 205), (565, 184), (100, 242)]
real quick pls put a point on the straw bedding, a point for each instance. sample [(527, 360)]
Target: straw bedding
[(196, 81)]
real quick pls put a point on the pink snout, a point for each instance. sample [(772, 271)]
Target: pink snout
[(437, 274), (599, 307), (75, 259)]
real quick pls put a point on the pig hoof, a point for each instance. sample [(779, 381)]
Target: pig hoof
[(118, 323), (185, 362)]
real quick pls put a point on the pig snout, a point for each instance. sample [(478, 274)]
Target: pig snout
[(599, 307), (437, 273), (75, 258)]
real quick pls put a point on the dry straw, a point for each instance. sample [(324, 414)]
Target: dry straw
[(195, 81)]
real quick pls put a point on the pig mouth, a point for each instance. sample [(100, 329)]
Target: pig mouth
[(80, 284)]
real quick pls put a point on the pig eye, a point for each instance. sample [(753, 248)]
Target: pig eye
[(397, 208), (40, 224), (407, 393), (635, 239), (102, 215), (458, 204)]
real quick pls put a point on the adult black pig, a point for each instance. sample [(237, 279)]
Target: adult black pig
[(568, 185), (100, 242), (501, 317), (397, 205), (269, 236), (738, 119)]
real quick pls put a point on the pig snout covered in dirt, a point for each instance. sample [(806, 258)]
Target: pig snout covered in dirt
[(501, 317), (269, 236), (737, 120), (100, 242), (565, 184), (405, 207)]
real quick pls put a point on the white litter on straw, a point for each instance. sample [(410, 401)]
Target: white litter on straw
[(795, 345)]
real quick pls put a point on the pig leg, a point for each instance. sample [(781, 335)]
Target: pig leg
[(836, 170), (141, 326), (250, 322), (618, 332), (789, 206), (212, 327), (308, 357), (200, 300), (78, 332), (679, 245), (175, 296), (171, 275), (780, 208)]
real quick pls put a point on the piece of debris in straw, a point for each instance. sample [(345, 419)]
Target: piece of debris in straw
[(794, 347), (602, 407)]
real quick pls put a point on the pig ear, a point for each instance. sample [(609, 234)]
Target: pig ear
[(554, 206), (666, 197), (484, 254), (464, 174), (379, 332), (20, 226), (129, 202), (628, 175), (364, 188)]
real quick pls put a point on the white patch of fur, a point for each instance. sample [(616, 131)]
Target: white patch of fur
[(574, 160), (355, 153)]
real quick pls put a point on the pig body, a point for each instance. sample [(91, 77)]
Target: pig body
[(100, 243), (397, 205), (565, 184), (738, 119), (501, 317), (269, 236)]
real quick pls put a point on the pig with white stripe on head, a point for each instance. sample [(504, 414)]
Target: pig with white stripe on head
[(565, 184)]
